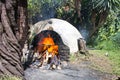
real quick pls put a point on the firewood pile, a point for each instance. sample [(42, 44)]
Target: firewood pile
[(47, 52)]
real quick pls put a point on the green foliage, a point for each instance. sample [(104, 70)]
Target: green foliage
[(109, 34), (116, 40), (9, 78), (35, 7), (114, 56), (108, 42), (67, 12), (106, 45), (108, 38), (102, 5), (95, 12)]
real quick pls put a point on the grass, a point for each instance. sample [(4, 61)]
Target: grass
[(103, 60), (113, 57), (9, 78), (77, 57)]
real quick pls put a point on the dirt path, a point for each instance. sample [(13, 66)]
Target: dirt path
[(73, 71)]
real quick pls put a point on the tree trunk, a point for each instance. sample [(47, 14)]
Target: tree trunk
[(13, 33), (97, 21), (82, 46), (78, 7)]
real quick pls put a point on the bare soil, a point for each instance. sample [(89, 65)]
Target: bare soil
[(94, 67)]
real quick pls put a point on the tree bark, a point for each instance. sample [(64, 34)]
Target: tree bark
[(13, 33)]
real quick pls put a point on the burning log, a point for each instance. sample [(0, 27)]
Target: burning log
[(82, 46), (63, 50), (47, 49)]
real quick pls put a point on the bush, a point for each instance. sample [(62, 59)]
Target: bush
[(106, 45), (116, 40), (113, 43)]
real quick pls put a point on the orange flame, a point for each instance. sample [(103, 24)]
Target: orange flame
[(47, 41), (48, 44)]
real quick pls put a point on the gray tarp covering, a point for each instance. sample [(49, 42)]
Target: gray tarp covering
[(68, 32)]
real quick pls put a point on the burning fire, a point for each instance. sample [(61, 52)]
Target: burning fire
[(48, 44), (47, 48)]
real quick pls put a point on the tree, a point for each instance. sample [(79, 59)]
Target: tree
[(90, 14), (78, 7), (95, 12), (13, 33)]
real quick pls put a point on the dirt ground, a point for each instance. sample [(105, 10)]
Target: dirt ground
[(93, 67)]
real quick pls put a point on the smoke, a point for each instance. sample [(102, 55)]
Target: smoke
[(48, 10), (84, 32)]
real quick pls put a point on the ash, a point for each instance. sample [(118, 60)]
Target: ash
[(68, 72), (46, 66)]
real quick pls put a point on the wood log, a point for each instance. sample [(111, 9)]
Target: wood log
[(82, 46)]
